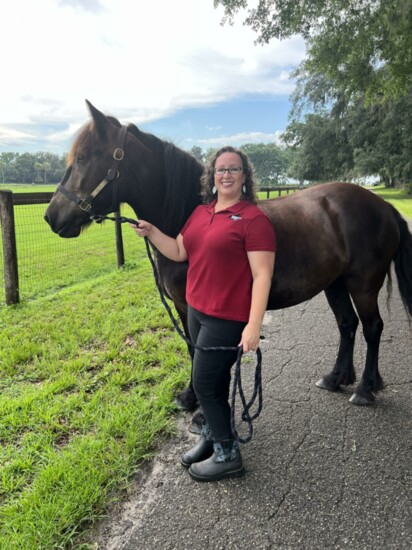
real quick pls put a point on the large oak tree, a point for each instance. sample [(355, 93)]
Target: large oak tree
[(363, 46)]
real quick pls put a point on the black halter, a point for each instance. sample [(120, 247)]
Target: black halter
[(85, 203)]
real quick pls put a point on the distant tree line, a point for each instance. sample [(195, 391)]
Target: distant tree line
[(270, 161), (41, 167)]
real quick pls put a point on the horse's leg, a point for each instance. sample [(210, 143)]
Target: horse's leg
[(343, 372), (186, 399), (371, 381)]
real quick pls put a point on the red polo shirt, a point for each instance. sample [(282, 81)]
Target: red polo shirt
[(219, 280)]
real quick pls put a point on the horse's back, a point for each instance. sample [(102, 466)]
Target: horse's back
[(327, 231)]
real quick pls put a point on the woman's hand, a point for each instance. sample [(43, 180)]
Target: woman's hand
[(250, 337), (143, 229), (171, 248)]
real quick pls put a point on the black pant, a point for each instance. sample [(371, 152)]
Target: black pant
[(211, 369)]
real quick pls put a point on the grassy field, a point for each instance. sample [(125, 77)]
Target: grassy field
[(88, 370)]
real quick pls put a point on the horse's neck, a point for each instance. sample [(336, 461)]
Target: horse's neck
[(150, 202), (167, 191)]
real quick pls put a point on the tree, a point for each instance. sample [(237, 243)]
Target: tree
[(28, 168), (197, 152), (381, 137), (363, 46), (25, 168), (321, 149), (269, 160)]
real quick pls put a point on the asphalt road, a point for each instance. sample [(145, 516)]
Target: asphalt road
[(321, 473)]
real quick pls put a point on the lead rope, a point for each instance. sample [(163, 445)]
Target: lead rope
[(237, 379)]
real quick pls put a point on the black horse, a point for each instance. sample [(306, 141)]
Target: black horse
[(338, 237)]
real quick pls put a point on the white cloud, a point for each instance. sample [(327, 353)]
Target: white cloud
[(239, 139), (11, 135), (139, 60)]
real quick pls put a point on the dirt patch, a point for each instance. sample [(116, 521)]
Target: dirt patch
[(145, 491)]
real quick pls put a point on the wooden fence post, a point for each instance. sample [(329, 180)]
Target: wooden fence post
[(11, 276), (119, 241)]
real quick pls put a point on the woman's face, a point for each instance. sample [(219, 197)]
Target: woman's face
[(229, 186)]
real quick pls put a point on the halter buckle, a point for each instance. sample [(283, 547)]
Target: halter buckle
[(84, 205), (118, 154)]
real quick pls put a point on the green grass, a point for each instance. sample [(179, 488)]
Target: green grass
[(27, 188), (87, 382), (397, 197)]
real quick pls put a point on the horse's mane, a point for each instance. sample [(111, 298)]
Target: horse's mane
[(85, 140), (182, 173)]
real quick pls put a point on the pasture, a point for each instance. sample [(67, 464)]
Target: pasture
[(87, 379)]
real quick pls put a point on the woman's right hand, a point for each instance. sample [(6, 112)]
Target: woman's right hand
[(143, 229), (169, 246)]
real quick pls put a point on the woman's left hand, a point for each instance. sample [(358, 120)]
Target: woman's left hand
[(250, 337)]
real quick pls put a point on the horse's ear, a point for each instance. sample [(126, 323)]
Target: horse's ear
[(100, 120)]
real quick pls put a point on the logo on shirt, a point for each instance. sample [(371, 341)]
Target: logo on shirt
[(235, 218)]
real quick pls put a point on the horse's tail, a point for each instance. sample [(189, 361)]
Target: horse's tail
[(403, 263)]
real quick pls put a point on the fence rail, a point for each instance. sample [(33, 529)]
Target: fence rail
[(43, 197), (12, 246), (279, 189)]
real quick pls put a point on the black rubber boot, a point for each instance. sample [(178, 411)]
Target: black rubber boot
[(225, 462), (202, 450)]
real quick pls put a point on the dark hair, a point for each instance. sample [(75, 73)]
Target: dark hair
[(207, 180)]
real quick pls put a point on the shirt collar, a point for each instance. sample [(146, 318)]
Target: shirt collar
[(234, 209)]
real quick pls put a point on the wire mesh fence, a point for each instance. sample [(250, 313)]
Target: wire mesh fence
[(47, 262)]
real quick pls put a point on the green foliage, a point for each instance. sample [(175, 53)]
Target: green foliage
[(41, 167), (351, 114), (364, 47), (197, 152), (349, 139), (322, 151), (270, 162), (381, 136)]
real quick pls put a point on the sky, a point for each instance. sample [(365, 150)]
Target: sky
[(168, 66)]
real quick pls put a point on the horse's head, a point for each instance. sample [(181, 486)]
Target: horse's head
[(158, 180), (90, 186)]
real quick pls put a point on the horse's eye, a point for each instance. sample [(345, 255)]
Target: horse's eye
[(80, 157)]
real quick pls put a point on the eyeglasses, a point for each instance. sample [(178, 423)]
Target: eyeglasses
[(232, 170)]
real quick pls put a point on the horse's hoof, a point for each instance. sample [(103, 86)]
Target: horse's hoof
[(179, 404), (361, 400), (197, 422), (194, 428), (325, 385), (186, 400)]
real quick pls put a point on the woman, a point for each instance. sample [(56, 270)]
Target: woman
[(230, 246)]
